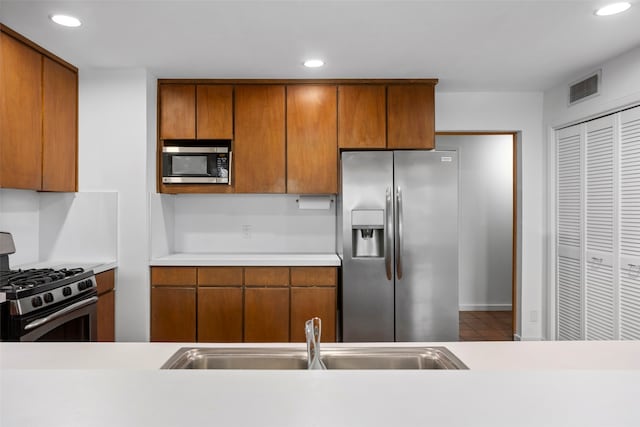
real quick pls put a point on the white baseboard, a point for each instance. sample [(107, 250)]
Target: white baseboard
[(485, 307)]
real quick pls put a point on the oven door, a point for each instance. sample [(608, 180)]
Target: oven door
[(76, 321)]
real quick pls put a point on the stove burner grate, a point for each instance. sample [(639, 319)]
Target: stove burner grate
[(16, 280)]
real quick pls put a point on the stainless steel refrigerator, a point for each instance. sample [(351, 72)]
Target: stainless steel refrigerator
[(400, 246)]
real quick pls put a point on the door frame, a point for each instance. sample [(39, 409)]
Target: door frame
[(515, 309)]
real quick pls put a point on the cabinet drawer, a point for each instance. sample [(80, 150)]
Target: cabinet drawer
[(266, 276), (105, 281), (313, 276), (220, 276), (173, 276)]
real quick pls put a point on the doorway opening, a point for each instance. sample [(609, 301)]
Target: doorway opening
[(487, 232)]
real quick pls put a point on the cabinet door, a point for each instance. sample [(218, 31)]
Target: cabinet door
[(266, 315), (20, 115), (173, 314), (177, 111), (259, 145), (214, 109), (362, 121), (105, 311), (312, 146), (60, 128), (410, 116), (311, 302), (220, 314)]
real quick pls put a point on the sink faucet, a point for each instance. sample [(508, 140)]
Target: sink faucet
[(312, 329)]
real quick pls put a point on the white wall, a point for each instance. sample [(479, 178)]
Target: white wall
[(485, 219), (114, 134), (482, 111), (620, 88)]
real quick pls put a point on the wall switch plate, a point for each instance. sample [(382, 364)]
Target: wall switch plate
[(246, 231)]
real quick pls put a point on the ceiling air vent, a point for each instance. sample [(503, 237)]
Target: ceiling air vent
[(585, 88)]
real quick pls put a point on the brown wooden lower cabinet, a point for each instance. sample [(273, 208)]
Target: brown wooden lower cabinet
[(266, 315), (173, 314), (105, 308), (105, 311), (220, 314), (236, 304), (313, 302)]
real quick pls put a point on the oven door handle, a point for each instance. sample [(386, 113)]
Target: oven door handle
[(62, 312)]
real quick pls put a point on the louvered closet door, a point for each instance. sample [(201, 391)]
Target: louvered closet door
[(600, 305), (569, 219), (630, 224)]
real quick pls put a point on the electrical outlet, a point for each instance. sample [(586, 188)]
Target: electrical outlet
[(533, 316), (246, 231)]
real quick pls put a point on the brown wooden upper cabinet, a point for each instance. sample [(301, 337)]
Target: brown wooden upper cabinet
[(410, 116), (362, 116), (60, 124), (189, 111), (38, 117), (259, 144), (312, 147)]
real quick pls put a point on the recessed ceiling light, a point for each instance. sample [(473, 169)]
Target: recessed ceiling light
[(66, 21), (313, 63), (612, 9)]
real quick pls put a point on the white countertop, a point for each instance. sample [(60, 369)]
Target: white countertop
[(508, 384), (247, 259)]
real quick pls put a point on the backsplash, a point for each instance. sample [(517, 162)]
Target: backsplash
[(19, 215), (243, 224), (59, 226)]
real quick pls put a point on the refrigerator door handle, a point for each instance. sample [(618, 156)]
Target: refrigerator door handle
[(388, 234), (399, 233)]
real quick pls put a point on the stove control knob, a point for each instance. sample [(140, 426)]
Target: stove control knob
[(48, 297), (36, 301), (89, 283), (81, 286), (66, 291)]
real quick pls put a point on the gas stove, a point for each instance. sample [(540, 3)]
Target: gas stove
[(45, 304), (33, 289)]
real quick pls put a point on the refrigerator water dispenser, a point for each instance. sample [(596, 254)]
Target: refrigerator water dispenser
[(367, 232)]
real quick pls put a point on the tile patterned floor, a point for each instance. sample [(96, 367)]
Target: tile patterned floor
[(486, 326)]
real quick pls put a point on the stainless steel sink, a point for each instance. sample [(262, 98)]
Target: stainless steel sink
[(333, 358)]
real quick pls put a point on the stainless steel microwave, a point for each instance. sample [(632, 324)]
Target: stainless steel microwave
[(196, 165)]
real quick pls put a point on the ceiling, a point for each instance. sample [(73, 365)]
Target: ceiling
[(473, 45)]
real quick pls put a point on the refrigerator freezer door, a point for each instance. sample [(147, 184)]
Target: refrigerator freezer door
[(367, 293), (426, 293)]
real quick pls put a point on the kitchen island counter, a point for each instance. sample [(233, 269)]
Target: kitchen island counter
[(509, 383)]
